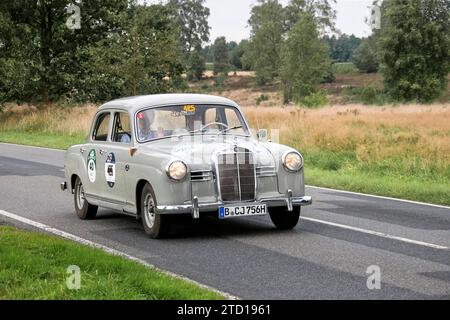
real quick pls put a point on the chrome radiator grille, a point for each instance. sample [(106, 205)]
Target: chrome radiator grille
[(236, 176)]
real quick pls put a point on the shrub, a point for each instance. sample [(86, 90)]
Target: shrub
[(344, 68), (366, 56), (315, 100), (261, 98)]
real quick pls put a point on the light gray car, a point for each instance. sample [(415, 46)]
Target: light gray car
[(154, 157)]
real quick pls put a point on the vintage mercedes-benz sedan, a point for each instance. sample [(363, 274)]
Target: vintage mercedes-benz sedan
[(155, 157)]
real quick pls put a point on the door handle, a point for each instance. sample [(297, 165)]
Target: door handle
[(82, 150), (102, 152)]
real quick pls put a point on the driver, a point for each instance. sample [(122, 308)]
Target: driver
[(145, 120)]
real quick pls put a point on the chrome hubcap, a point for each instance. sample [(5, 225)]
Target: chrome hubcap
[(80, 196), (149, 211)]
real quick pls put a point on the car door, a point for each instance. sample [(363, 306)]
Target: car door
[(117, 165), (95, 154)]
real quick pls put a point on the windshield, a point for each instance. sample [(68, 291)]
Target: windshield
[(164, 122)]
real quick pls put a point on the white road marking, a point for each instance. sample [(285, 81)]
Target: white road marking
[(109, 250), (376, 233), (381, 197)]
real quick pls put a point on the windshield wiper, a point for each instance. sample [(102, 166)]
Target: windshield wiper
[(229, 129)]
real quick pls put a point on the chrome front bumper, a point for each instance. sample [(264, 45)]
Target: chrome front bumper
[(194, 208)]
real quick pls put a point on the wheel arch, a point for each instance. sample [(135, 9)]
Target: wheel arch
[(73, 179), (138, 193)]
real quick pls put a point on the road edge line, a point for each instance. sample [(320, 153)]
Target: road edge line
[(381, 197), (112, 251), (378, 234)]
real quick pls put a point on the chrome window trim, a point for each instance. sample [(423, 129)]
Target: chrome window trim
[(238, 112)]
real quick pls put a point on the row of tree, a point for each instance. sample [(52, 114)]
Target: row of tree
[(412, 46), (123, 48), (115, 48)]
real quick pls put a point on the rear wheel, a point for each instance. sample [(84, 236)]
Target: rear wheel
[(155, 225), (83, 209), (284, 219)]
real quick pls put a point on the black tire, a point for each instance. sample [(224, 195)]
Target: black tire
[(83, 209), (155, 225), (284, 219)]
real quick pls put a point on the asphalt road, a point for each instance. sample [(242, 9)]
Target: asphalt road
[(325, 257)]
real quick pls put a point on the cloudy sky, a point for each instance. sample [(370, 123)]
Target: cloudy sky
[(229, 17)]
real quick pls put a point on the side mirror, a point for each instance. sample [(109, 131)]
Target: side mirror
[(262, 134)]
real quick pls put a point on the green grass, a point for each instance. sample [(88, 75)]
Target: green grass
[(344, 68), (390, 186), (41, 139), (34, 266), (394, 178)]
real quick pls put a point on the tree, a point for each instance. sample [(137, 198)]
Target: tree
[(192, 17), (37, 41), (221, 60), (266, 38), (415, 48), (236, 55), (321, 10), (342, 48), (305, 60), (144, 57), (196, 65), (365, 57)]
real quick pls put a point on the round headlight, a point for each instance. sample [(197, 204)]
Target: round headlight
[(177, 170), (293, 161)]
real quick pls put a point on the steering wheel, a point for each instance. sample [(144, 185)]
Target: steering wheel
[(214, 123)]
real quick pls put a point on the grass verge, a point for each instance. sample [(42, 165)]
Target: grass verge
[(42, 139), (390, 186), (34, 266)]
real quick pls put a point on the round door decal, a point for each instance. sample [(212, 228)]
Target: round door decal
[(91, 164), (110, 170)]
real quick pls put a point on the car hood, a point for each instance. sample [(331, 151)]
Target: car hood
[(198, 151)]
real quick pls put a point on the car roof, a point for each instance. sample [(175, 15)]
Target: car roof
[(133, 104)]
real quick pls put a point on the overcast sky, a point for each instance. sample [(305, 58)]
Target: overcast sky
[(229, 17)]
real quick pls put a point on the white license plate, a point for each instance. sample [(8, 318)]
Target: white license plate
[(236, 211)]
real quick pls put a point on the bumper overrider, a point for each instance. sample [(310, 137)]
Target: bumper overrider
[(195, 207)]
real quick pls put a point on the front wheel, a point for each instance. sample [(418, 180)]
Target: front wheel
[(155, 225), (284, 219), (83, 209)]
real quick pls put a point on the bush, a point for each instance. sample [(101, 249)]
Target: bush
[(344, 68), (261, 98), (366, 56), (315, 100), (415, 49), (369, 95)]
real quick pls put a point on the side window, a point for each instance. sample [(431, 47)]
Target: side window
[(211, 116), (101, 127), (121, 128)]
